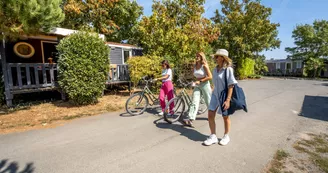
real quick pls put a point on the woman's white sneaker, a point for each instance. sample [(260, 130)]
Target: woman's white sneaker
[(212, 139), (161, 114), (225, 140)]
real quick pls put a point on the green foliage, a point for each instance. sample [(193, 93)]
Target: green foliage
[(260, 66), (83, 67), (116, 19), (246, 68), (176, 30), (27, 17), (311, 41), (246, 29), (311, 45), (314, 66), (144, 66)]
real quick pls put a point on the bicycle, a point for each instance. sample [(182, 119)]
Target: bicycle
[(140, 97), (179, 105)]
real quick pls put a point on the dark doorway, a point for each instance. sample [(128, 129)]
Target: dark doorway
[(49, 50)]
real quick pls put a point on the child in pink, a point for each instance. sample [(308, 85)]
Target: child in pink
[(167, 86)]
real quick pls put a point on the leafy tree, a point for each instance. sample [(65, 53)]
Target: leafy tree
[(176, 30), (84, 66), (311, 41), (311, 45), (314, 66), (260, 66), (246, 29), (27, 17), (116, 19)]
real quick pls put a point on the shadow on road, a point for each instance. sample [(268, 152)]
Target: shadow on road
[(315, 107), (190, 133), (150, 110), (12, 167), (324, 84), (202, 118)]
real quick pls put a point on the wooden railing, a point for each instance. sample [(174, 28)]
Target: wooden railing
[(43, 75), (31, 75), (119, 74)]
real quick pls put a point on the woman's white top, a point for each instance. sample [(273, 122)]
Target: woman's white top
[(167, 72), (199, 73)]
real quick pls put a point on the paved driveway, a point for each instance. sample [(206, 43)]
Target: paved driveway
[(114, 143)]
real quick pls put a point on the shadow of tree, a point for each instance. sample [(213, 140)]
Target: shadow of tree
[(13, 167), (315, 107)]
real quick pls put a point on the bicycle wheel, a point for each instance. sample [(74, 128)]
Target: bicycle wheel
[(202, 106), (136, 104), (174, 115)]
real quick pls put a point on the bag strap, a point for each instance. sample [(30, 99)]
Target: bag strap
[(226, 80)]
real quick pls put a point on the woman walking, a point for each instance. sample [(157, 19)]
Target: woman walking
[(167, 86), (222, 73), (202, 74)]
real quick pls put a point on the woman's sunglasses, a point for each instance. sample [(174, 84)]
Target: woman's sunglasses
[(217, 56)]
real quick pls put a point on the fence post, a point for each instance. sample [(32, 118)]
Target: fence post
[(8, 95)]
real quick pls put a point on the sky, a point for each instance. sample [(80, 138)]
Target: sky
[(289, 13)]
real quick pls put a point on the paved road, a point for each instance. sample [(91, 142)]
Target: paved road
[(113, 143)]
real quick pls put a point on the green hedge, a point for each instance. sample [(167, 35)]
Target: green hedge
[(83, 67), (245, 68), (144, 66)]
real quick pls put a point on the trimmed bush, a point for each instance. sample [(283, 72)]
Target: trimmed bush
[(246, 68), (83, 67), (144, 66)]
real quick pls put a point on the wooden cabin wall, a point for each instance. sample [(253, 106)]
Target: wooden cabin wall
[(36, 58)]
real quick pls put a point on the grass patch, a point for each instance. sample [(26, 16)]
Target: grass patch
[(320, 161), (300, 147), (315, 148), (322, 149), (281, 155), (278, 161)]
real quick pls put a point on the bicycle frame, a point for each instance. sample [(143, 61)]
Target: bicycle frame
[(185, 97), (149, 94)]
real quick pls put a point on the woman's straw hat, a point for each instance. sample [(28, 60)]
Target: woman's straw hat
[(221, 52)]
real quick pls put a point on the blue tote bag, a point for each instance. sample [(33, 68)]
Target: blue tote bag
[(238, 99)]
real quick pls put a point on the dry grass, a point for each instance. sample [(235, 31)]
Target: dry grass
[(309, 154), (277, 164), (38, 115), (316, 148), (52, 113)]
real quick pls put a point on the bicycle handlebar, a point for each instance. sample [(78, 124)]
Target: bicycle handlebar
[(185, 84), (147, 81)]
